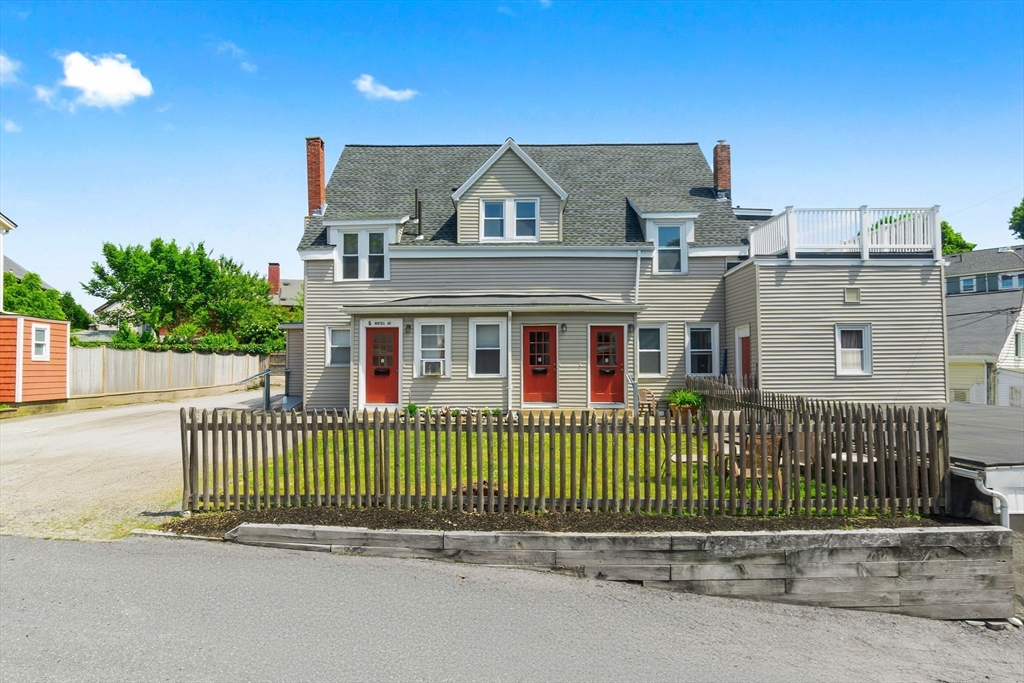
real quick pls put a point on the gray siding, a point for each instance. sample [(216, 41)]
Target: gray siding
[(509, 177), (740, 310), (293, 362), (697, 297), (801, 305)]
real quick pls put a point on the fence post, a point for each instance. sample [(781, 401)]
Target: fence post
[(138, 369), (186, 475)]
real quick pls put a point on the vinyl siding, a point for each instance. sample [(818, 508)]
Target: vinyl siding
[(675, 300), (293, 362), (740, 310), (45, 380), (508, 177), (1006, 359), (8, 358), (801, 305)]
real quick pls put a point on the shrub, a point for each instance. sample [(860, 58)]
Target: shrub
[(125, 338), (216, 342), (684, 397)]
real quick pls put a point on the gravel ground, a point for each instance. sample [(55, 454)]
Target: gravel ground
[(94, 474), (160, 609)]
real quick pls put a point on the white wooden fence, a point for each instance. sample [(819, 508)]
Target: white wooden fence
[(100, 370)]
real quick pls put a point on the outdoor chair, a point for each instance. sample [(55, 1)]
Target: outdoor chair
[(647, 403)]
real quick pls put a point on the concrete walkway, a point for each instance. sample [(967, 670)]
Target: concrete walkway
[(96, 474)]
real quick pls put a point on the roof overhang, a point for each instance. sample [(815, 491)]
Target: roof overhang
[(486, 303), (510, 145), (290, 326), (6, 224), (664, 215), (399, 251), (365, 222)]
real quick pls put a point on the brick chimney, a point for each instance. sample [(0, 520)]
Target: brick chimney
[(315, 174), (274, 278), (723, 171)]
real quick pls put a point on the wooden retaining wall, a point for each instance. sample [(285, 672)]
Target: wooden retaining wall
[(939, 573)]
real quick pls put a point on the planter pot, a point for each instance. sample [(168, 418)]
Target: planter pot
[(682, 411)]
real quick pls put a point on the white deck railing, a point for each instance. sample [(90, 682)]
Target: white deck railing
[(860, 233)]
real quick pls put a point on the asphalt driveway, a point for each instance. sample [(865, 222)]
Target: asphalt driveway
[(95, 474)]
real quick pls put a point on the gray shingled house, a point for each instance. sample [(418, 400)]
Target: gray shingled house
[(986, 347), (572, 276)]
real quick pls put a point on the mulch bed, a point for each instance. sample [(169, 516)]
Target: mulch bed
[(215, 524)]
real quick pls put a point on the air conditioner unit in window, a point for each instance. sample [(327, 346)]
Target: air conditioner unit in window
[(432, 368)]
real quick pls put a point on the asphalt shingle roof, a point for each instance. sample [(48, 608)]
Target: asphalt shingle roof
[(978, 324), (19, 272), (376, 182), (985, 261)]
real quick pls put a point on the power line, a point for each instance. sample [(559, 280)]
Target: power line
[(980, 203)]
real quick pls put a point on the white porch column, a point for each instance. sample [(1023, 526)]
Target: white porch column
[(790, 233), (865, 252)]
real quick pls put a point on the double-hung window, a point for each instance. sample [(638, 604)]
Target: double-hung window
[(651, 351), (670, 249), (701, 349), (339, 347), (487, 347), (40, 342), (853, 349), (1006, 280), (364, 255), (966, 284), (509, 220), (433, 341)]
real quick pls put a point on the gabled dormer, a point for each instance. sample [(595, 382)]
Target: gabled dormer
[(509, 199)]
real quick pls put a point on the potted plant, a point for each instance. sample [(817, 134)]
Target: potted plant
[(683, 401)]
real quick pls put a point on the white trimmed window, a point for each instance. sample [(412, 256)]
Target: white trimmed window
[(339, 347), (966, 284), (651, 358), (487, 347), (1006, 280), (509, 220), (363, 255), (40, 342), (670, 249), (432, 344), (853, 349), (701, 349)]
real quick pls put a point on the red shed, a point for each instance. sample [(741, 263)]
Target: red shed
[(33, 359)]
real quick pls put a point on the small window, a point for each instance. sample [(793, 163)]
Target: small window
[(41, 342), (432, 344), (526, 218), (651, 350), (701, 349), (375, 256), (1018, 344), (494, 219), (967, 284), (350, 256), (851, 295), (339, 347), (487, 347), (853, 350)]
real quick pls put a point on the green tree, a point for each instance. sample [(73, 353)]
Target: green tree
[(953, 242), (29, 298), (74, 312), (1017, 221)]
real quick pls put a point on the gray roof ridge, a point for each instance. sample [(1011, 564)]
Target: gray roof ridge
[(537, 144)]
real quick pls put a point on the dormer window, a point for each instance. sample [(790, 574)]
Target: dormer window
[(522, 226), (362, 254), (669, 249)]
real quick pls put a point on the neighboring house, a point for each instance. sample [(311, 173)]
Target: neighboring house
[(19, 272), (33, 359), (569, 276), (986, 347), (283, 292), (986, 270)]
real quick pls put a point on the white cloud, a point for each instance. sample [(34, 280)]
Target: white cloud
[(545, 3), (506, 10), (8, 70), (227, 47), (11, 126), (45, 94), (249, 68), (107, 81), (373, 90)]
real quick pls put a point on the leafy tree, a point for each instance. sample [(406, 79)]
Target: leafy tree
[(1017, 221), (74, 312), (29, 298), (953, 242)]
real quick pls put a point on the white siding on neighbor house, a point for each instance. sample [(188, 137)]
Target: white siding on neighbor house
[(801, 305), (293, 362), (609, 279), (740, 310), (966, 381), (675, 300), (509, 177), (1010, 372), (1007, 359)]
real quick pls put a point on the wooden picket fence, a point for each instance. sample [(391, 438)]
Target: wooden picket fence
[(742, 459)]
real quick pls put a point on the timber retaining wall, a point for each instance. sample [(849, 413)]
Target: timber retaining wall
[(938, 572)]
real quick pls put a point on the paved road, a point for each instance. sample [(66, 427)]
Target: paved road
[(159, 609), (992, 435), (95, 473)]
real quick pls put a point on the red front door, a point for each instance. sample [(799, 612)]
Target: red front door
[(745, 361), (540, 364), (382, 365), (607, 365)]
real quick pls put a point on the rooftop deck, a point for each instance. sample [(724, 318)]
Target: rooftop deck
[(862, 233)]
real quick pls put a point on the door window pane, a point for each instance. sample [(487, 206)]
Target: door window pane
[(540, 347), (494, 219), (606, 350)]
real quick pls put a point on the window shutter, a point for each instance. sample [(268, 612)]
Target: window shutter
[(952, 285)]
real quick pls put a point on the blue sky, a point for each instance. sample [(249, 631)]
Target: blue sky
[(123, 122)]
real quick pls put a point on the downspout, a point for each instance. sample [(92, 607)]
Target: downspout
[(979, 481), (508, 359)]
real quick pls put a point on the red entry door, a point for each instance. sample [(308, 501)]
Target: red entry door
[(607, 365), (745, 373), (382, 365), (540, 364)]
